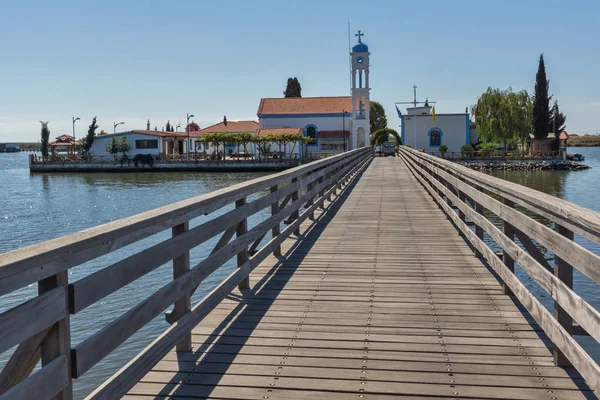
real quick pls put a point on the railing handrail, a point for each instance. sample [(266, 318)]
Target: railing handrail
[(41, 325), (584, 221), (459, 188), (40, 255)]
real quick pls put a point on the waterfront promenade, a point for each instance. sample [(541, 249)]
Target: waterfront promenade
[(376, 287)]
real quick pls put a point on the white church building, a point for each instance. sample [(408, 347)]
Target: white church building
[(421, 130), (334, 123)]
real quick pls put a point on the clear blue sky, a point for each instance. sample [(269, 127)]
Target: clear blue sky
[(134, 60)]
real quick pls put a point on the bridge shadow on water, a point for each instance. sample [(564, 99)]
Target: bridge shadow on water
[(200, 371)]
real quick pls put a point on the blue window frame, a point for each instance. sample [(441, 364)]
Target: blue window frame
[(435, 137), (313, 132)]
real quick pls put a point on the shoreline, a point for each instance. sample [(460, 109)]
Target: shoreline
[(524, 165)]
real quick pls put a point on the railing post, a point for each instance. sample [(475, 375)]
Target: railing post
[(276, 229), (242, 256), (506, 258), (479, 229), (181, 265), (58, 340), (564, 272), (296, 213), (310, 201)]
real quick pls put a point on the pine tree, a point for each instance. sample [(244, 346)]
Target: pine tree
[(168, 127), (541, 103), (148, 125)]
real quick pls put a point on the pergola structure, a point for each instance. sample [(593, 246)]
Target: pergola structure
[(65, 143)]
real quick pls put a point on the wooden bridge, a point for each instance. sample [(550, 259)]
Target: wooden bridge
[(369, 278)]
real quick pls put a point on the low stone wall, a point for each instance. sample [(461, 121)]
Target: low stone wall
[(206, 166), (523, 165)]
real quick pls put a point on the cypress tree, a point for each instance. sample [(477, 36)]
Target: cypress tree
[(297, 88), (541, 103), (293, 88), (89, 139), (148, 125), (45, 137)]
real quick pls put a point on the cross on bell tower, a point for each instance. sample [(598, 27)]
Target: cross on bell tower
[(359, 36), (361, 103)]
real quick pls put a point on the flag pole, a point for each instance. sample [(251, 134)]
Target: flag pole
[(415, 116)]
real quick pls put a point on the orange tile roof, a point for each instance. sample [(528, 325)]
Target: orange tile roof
[(146, 132), (305, 105), (279, 131), (232, 126)]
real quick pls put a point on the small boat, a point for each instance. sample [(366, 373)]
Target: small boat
[(575, 157)]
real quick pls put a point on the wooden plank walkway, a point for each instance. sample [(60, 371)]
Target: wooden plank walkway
[(381, 299)]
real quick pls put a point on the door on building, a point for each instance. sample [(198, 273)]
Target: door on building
[(180, 146)]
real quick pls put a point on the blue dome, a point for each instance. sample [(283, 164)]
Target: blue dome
[(360, 48)]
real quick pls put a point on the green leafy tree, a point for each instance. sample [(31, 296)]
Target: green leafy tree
[(293, 88), (89, 139), (45, 137), (384, 135), (245, 138), (263, 145), (377, 117), (541, 103), (124, 145), (113, 147), (503, 116), (305, 140)]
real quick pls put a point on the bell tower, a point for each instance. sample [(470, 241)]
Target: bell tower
[(361, 104)]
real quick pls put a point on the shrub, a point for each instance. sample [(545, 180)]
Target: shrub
[(443, 149)]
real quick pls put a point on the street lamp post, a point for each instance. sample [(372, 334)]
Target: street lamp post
[(74, 119), (115, 124), (187, 128), (344, 127)]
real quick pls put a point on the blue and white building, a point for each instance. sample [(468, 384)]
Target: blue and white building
[(420, 131)]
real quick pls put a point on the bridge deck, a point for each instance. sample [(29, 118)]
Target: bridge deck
[(380, 299)]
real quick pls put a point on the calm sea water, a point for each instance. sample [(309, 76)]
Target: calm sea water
[(38, 207), (580, 187)]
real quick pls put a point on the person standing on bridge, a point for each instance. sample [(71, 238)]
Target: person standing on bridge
[(378, 150)]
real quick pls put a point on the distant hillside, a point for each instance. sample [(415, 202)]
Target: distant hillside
[(584, 141)]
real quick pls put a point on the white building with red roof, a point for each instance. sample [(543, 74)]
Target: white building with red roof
[(143, 142), (334, 123)]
